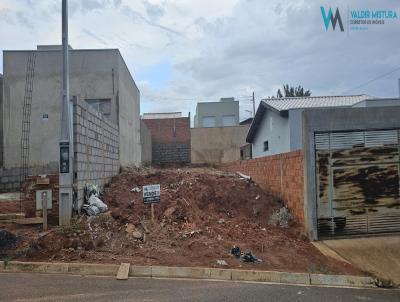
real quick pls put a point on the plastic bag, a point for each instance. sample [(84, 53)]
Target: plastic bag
[(95, 201)]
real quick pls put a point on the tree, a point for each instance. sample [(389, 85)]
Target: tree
[(292, 92)]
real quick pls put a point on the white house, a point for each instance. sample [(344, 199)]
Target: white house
[(277, 126)]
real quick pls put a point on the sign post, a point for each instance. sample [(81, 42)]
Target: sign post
[(151, 195), (44, 210)]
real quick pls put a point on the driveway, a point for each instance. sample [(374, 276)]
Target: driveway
[(377, 255)]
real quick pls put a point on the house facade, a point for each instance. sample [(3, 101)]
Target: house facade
[(277, 126), (224, 113)]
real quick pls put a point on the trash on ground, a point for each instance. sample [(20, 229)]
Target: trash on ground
[(89, 190), (245, 257), (93, 200), (94, 205), (90, 210), (249, 257), (222, 262), (243, 176), (191, 233), (136, 189), (281, 218), (235, 251)]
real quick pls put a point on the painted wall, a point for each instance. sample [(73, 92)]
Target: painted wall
[(295, 129), (217, 145), (217, 109), (335, 120), (274, 129), (94, 74)]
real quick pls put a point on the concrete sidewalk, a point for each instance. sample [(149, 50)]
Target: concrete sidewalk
[(377, 255)]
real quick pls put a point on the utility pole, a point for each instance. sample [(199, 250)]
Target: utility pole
[(254, 106), (66, 139), (399, 87)]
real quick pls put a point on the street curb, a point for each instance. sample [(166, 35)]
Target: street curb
[(189, 273)]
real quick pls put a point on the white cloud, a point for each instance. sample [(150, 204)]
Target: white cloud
[(218, 48)]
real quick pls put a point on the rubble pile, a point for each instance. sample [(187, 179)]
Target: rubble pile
[(203, 214)]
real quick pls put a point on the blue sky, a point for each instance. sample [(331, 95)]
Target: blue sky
[(182, 52)]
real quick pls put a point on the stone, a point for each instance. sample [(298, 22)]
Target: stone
[(168, 212), (130, 228), (137, 234)]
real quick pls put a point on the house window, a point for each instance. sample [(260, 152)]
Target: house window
[(209, 121), (266, 147), (101, 105), (228, 120)]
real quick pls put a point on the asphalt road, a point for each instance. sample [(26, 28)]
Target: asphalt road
[(38, 287)]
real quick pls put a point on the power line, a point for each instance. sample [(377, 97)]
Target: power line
[(372, 80)]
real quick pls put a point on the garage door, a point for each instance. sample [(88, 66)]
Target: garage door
[(357, 175)]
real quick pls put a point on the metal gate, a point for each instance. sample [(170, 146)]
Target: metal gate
[(357, 179)]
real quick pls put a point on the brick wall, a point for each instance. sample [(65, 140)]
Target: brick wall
[(96, 148), (170, 139), (32, 184), (281, 174)]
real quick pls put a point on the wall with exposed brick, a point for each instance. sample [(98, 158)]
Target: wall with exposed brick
[(96, 148), (170, 139), (281, 174), (33, 183)]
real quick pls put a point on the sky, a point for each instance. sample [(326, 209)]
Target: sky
[(181, 52)]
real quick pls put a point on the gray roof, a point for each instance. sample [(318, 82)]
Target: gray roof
[(315, 102), (282, 105)]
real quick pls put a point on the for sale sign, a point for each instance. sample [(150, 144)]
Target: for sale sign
[(151, 194)]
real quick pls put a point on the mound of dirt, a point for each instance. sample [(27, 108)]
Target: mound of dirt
[(203, 213), (194, 196)]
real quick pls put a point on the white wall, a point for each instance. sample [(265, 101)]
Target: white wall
[(275, 130)]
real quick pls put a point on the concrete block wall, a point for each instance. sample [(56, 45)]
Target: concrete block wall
[(10, 177), (167, 153), (96, 148), (281, 174)]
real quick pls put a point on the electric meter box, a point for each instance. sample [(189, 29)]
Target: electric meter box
[(47, 194)]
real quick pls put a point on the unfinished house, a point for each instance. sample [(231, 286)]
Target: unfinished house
[(106, 114)]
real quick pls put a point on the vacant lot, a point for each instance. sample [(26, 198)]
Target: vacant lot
[(203, 213)]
